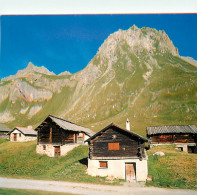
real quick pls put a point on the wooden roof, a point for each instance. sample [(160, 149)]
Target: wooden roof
[(172, 129), (4, 128), (67, 125), (120, 129), (24, 130)]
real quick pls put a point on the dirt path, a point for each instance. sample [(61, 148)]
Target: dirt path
[(82, 188)]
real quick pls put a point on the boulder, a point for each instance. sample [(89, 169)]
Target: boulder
[(158, 154)]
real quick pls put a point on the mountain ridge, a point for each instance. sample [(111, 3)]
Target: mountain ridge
[(125, 78), (30, 68)]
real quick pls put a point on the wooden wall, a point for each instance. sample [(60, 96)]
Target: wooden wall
[(129, 146), (173, 138), (50, 133)]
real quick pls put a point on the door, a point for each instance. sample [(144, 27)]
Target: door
[(130, 172), (57, 150), (76, 136), (15, 137)]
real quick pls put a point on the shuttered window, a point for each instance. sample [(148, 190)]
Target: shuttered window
[(103, 164), (113, 146)]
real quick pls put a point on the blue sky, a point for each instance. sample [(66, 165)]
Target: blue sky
[(69, 42)]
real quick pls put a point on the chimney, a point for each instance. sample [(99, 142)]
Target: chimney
[(30, 127), (128, 124)]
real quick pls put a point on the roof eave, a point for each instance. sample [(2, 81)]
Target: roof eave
[(113, 124)]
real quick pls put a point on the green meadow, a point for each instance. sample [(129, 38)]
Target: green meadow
[(19, 160)]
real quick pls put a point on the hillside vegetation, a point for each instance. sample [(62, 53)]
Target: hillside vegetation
[(176, 169), (21, 161)]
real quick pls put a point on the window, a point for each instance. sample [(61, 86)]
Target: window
[(44, 147), (19, 134), (113, 146), (103, 164), (191, 149), (180, 148)]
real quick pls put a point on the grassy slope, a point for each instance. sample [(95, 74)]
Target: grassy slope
[(173, 170), (169, 97), (21, 161)]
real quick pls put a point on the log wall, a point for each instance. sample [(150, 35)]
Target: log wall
[(50, 133), (173, 138), (129, 146)]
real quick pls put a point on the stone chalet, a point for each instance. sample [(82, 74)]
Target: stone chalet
[(184, 137), (117, 152), (22, 134), (56, 136)]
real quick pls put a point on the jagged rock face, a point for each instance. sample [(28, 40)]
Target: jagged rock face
[(22, 90), (137, 40), (30, 68), (136, 74), (145, 41)]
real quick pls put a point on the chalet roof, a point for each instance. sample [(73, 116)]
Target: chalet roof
[(172, 129), (66, 125), (4, 128), (24, 130), (121, 129)]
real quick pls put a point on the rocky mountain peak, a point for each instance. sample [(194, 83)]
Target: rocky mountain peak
[(138, 41), (30, 66), (29, 69)]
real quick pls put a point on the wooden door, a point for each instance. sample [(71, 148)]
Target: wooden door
[(15, 137), (130, 172), (57, 150), (76, 136)]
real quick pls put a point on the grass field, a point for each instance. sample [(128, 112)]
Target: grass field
[(5, 191), (175, 169), (20, 160)]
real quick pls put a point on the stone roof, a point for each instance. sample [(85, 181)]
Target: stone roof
[(24, 130), (121, 129), (66, 125), (4, 128), (171, 129)]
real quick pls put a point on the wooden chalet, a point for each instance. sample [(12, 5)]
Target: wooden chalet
[(57, 136), (22, 134), (4, 130), (183, 136), (117, 152)]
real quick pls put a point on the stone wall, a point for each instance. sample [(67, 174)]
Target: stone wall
[(116, 168), (21, 137), (49, 149), (182, 146)]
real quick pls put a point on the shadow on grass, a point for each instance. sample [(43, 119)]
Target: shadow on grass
[(84, 161)]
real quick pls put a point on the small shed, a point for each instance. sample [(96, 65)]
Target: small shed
[(22, 134), (4, 130), (57, 136), (183, 136), (117, 152)]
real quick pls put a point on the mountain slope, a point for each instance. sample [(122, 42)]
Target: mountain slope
[(136, 73), (141, 77)]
